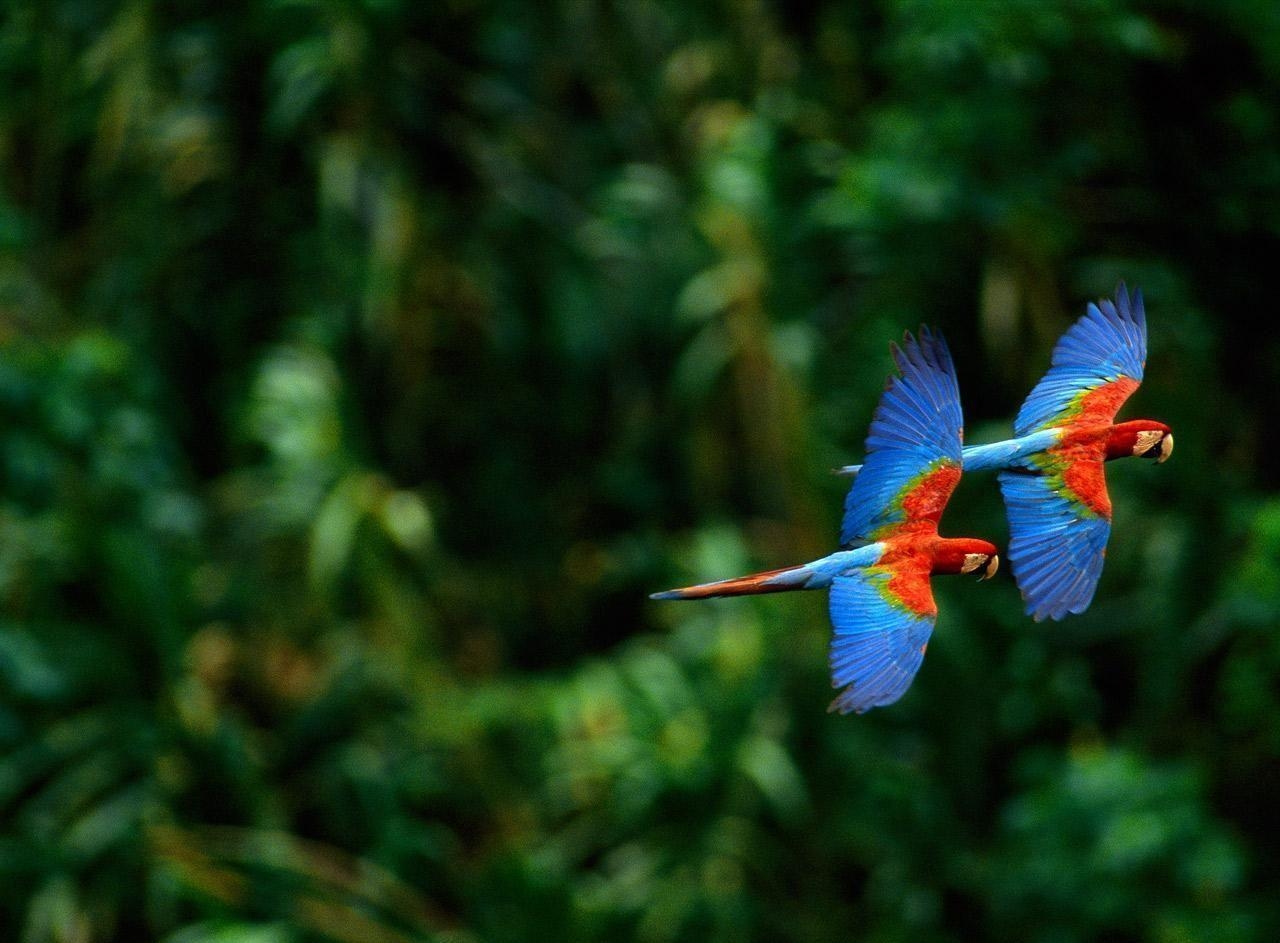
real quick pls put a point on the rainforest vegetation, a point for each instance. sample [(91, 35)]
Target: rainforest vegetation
[(364, 364)]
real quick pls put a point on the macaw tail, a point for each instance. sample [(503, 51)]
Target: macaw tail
[(770, 581)]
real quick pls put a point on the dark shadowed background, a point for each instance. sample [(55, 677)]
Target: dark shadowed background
[(363, 366)]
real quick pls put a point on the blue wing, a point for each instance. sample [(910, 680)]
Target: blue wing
[(916, 430), (878, 644), (1056, 544), (1108, 344)]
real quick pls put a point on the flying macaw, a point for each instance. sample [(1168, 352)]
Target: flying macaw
[(881, 604), (1051, 472)]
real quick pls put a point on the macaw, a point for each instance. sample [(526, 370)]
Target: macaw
[(881, 603), (1051, 472)]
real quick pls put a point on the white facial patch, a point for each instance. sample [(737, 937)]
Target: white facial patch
[(1146, 440), (972, 561)]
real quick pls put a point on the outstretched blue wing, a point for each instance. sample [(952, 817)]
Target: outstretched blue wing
[(915, 435), (879, 642), (1057, 544), (1106, 348)]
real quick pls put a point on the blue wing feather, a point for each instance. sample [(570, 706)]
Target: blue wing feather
[(1108, 342), (876, 648), (917, 427), (1056, 546)]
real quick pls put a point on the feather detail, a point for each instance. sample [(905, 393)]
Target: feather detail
[(1057, 542), (1097, 364), (913, 448), (877, 644)]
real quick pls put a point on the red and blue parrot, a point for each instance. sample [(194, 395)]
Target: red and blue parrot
[(881, 603), (1051, 472)]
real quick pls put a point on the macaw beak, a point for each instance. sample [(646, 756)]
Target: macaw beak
[(992, 565), (1166, 448)]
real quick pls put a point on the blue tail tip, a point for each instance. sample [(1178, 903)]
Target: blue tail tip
[(669, 594)]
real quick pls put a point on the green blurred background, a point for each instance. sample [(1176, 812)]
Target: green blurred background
[(363, 365)]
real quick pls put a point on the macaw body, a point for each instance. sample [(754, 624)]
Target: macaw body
[(924, 551), (881, 603), (1004, 454), (1122, 440), (1051, 472)]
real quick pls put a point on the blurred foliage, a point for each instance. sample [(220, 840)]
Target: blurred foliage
[(364, 363)]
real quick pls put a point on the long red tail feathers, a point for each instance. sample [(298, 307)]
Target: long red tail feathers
[(770, 581)]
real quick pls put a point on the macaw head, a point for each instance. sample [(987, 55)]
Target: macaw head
[(1145, 438), (967, 555)]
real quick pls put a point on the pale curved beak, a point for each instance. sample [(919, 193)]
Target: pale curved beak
[(992, 565), (1166, 448)]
